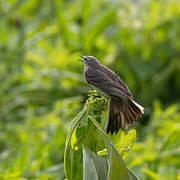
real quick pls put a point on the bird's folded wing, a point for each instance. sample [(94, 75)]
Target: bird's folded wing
[(106, 84), (115, 77)]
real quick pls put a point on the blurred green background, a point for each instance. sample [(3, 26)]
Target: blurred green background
[(42, 86)]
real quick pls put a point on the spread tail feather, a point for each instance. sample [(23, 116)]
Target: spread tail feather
[(121, 115)]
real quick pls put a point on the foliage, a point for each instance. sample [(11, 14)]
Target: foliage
[(86, 135), (42, 88), (157, 157)]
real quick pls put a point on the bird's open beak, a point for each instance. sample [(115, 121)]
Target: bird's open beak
[(82, 59)]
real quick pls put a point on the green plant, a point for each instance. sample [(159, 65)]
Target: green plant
[(158, 156), (42, 87), (101, 160)]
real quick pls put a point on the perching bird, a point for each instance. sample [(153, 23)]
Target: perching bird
[(123, 110)]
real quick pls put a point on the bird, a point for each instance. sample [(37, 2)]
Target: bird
[(123, 110)]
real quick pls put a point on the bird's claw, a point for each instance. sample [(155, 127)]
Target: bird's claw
[(96, 96)]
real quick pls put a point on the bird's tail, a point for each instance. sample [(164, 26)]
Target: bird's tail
[(121, 115)]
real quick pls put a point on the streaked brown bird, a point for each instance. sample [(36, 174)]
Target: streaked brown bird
[(123, 110)]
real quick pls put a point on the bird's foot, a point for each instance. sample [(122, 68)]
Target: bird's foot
[(96, 96)]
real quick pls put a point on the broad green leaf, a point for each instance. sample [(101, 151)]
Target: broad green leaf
[(89, 170), (118, 170), (83, 132), (69, 158), (94, 165), (117, 167), (87, 132)]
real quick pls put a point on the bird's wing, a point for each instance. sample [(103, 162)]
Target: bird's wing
[(105, 83), (115, 77)]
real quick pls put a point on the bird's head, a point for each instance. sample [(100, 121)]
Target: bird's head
[(90, 61)]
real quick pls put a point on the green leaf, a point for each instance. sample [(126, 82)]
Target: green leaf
[(132, 175), (117, 167), (94, 166), (118, 170), (87, 132), (83, 132), (69, 158)]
